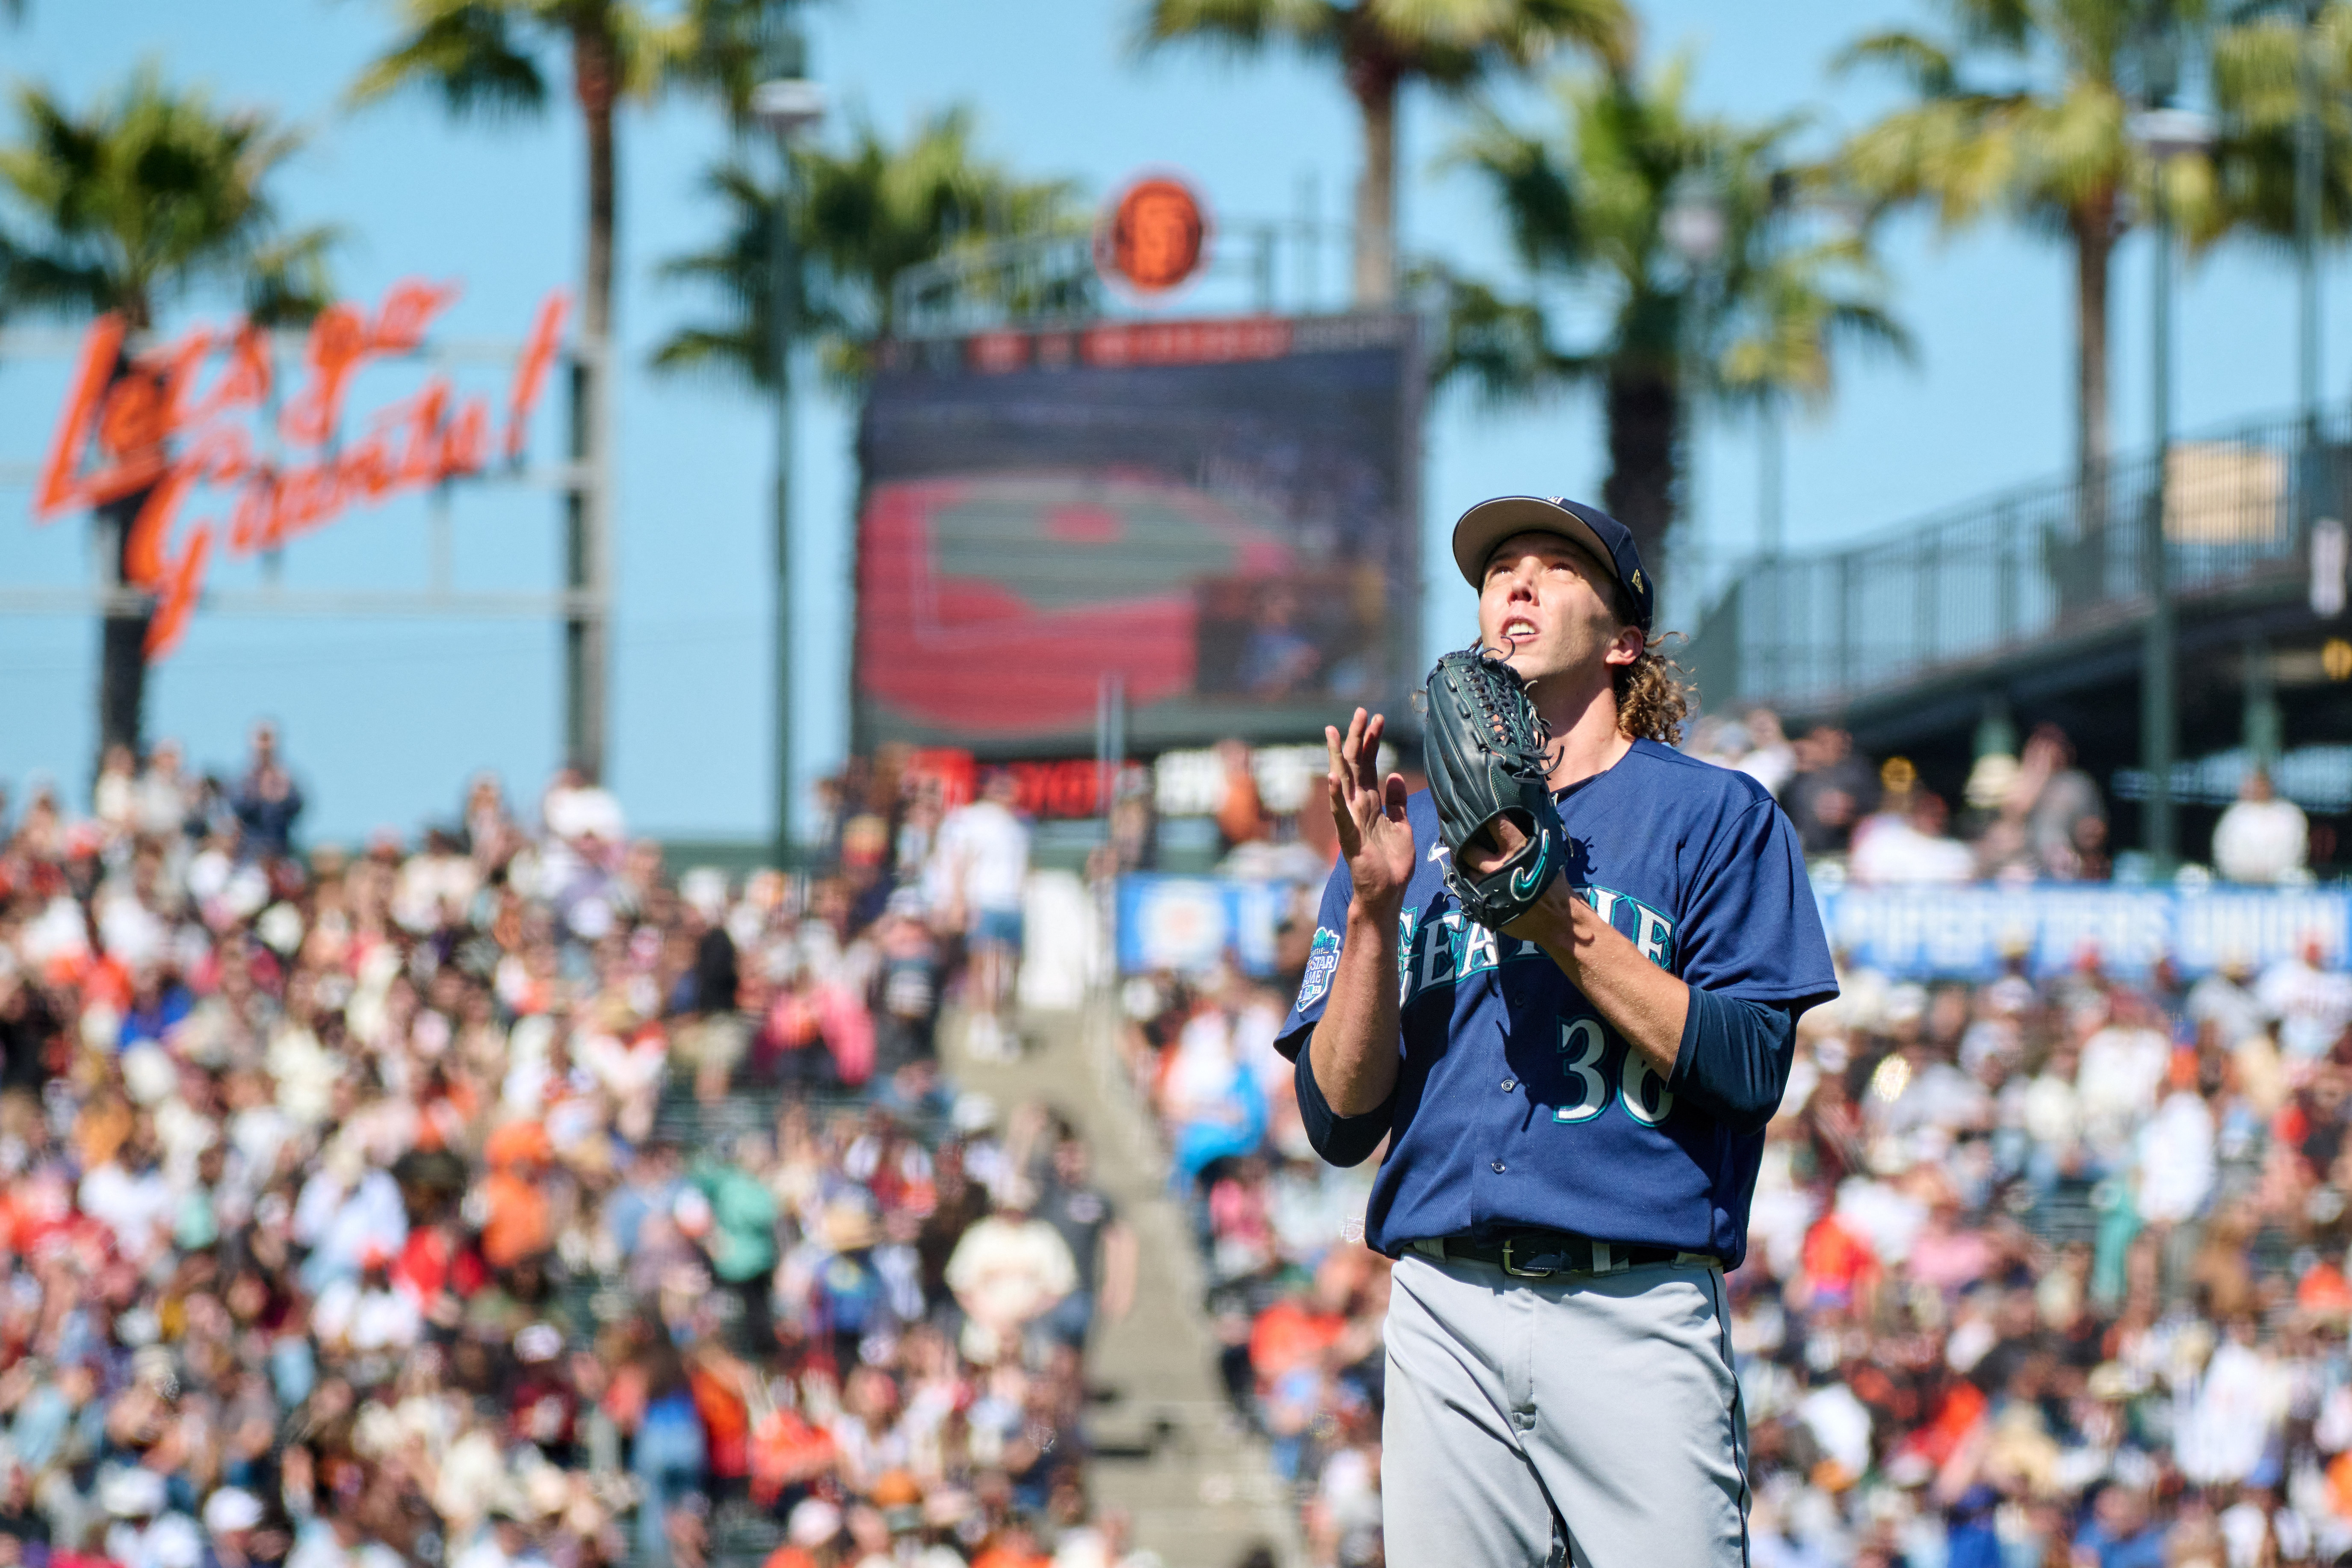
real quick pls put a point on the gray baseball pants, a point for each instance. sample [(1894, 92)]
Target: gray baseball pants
[(1593, 1413)]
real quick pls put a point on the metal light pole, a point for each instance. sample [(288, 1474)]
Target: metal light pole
[(1771, 526), (2308, 156), (786, 107), (2165, 134), (1694, 227)]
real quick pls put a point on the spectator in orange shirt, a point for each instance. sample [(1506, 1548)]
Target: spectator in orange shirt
[(1840, 1268)]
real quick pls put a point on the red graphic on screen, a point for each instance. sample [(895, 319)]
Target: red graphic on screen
[(994, 605)]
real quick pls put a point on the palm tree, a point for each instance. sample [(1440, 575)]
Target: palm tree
[(860, 218), (1693, 241), (2048, 146), (1379, 46), (483, 56), (2258, 92), (128, 208)]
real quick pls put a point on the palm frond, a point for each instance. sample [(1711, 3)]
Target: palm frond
[(466, 50), (1540, 203), (1500, 348), (1238, 28), (860, 216), (1927, 66), (288, 281), (145, 195), (1457, 43)]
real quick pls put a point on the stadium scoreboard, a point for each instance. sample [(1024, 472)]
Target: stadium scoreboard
[(1223, 513)]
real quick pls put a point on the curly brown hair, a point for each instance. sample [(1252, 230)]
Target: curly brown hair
[(1654, 696), (1654, 693)]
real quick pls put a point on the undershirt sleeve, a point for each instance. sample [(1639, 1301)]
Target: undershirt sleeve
[(1339, 1139), (1732, 1063)]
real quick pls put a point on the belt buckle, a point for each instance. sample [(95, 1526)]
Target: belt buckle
[(1517, 1272)]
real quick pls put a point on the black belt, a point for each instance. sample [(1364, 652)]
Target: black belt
[(1538, 1254)]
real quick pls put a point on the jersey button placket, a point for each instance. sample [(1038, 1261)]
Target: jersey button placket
[(1498, 1167)]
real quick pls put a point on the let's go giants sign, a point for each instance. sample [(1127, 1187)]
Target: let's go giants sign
[(189, 415)]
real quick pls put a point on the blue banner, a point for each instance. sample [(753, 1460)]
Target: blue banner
[(1964, 932), (1188, 923)]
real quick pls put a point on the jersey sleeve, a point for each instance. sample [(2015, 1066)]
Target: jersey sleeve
[(1755, 930), (1322, 963)]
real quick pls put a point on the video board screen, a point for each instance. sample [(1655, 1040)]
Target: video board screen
[(1223, 513)]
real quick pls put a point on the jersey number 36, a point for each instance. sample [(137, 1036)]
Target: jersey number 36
[(1586, 1056)]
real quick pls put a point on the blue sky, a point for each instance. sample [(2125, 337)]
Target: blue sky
[(385, 720)]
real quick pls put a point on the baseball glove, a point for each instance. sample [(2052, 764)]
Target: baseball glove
[(1485, 751)]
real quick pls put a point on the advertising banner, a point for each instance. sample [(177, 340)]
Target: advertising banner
[(1187, 923), (1968, 932), (1222, 514)]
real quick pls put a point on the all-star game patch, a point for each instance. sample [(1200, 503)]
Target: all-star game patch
[(1322, 962)]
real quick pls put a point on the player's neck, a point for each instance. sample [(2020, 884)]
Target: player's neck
[(1584, 719)]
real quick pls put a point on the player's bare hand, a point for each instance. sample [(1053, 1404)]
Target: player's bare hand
[(1369, 812)]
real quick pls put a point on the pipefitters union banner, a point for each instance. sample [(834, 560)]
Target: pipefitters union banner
[(1188, 923), (1220, 513), (1970, 932)]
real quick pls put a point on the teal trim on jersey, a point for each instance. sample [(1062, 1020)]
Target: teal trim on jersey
[(1408, 922)]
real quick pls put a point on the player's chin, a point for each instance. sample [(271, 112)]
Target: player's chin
[(1534, 662)]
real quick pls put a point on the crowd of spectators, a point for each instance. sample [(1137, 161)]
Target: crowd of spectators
[(404, 1206), (2031, 817), (401, 1205)]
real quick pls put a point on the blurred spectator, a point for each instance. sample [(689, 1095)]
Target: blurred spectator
[(1831, 790), (1009, 1272), (1277, 660), (2310, 1001), (268, 801), (1769, 759), (2260, 838), (1905, 840), (984, 851), (1241, 813), (1102, 1247), (2050, 821)]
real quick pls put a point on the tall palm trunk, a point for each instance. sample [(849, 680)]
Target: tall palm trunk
[(2094, 244), (596, 67), (596, 73), (1373, 81), (122, 628), (1643, 408), (122, 637), (2077, 565)]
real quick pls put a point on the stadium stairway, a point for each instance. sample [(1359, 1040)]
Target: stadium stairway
[(1167, 1449)]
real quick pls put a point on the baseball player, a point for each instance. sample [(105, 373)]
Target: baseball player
[(1575, 1102)]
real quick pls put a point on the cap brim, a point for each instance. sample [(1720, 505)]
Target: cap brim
[(1490, 522)]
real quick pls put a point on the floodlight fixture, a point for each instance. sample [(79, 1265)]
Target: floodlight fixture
[(788, 105)]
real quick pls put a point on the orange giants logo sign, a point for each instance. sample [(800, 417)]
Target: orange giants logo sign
[(1152, 239)]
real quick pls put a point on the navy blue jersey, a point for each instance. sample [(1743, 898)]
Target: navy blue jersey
[(1516, 1104)]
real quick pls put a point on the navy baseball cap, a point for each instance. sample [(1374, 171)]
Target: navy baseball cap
[(1490, 522)]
